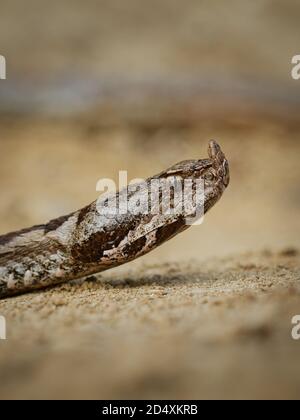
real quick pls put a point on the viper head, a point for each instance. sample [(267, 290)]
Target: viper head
[(213, 171)]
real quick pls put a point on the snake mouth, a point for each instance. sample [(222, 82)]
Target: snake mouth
[(219, 161)]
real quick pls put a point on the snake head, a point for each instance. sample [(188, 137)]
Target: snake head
[(214, 171), (215, 174)]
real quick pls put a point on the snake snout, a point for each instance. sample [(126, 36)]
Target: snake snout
[(219, 161), (213, 149)]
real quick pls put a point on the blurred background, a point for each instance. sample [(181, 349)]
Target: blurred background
[(95, 87), (101, 86)]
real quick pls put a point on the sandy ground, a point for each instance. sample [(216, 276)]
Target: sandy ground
[(219, 330)]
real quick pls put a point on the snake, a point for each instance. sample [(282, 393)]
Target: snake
[(90, 240)]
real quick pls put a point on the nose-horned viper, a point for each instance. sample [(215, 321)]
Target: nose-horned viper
[(87, 242)]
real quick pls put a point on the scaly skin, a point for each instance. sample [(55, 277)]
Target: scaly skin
[(87, 242)]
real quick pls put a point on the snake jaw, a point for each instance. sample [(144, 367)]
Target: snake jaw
[(220, 162)]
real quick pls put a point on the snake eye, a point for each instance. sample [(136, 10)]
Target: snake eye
[(209, 176)]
